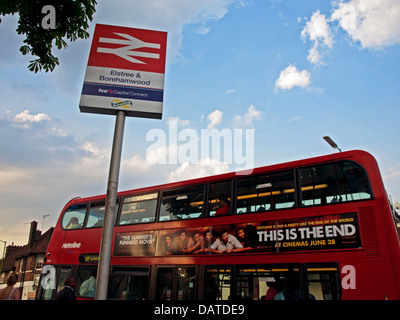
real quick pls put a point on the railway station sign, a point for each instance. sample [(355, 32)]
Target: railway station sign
[(125, 72)]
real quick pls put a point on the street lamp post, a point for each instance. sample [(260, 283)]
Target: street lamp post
[(46, 215), (331, 143)]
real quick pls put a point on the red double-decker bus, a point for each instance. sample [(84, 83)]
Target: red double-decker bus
[(314, 229)]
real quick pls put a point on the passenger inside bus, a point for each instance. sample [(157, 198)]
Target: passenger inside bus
[(223, 207), (274, 287), (73, 223), (88, 287)]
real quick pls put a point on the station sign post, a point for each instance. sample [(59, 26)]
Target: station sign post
[(124, 77)]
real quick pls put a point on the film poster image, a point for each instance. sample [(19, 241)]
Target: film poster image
[(310, 233)]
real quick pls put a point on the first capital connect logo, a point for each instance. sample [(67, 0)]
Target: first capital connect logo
[(110, 91)]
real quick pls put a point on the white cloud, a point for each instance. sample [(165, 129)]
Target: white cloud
[(179, 121), (214, 118), (136, 164), (203, 30), (297, 118), (230, 91), (314, 56), (247, 119), (375, 24), (25, 119), (317, 30), (57, 132), (205, 167), (94, 163), (292, 77)]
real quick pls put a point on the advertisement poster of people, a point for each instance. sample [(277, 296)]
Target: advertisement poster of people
[(310, 233)]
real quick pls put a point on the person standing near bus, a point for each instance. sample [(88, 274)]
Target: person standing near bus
[(9, 292), (68, 292)]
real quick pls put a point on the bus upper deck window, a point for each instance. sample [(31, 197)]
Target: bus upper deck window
[(334, 183), (219, 198), (269, 191), (139, 209), (184, 203), (96, 214), (74, 217)]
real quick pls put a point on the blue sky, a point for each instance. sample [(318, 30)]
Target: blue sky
[(292, 71)]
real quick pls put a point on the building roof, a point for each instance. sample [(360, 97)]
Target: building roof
[(39, 246)]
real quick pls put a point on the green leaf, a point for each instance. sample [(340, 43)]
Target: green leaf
[(25, 50)]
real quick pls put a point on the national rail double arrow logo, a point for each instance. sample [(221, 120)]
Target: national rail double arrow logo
[(130, 44)]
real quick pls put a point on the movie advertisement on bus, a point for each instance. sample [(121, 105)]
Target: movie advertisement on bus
[(312, 233), (328, 232), (135, 243)]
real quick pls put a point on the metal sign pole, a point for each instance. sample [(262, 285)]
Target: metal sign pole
[(109, 214)]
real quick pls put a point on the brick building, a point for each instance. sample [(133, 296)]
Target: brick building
[(26, 261)]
